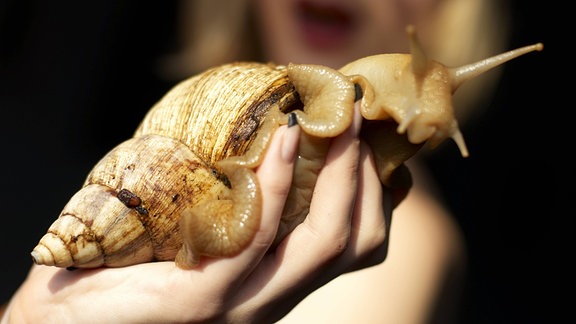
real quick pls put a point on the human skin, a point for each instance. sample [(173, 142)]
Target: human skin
[(345, 230), (424, 245), (426, 253), (335, 32)]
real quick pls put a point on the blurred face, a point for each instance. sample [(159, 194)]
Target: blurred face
[(335, 32)]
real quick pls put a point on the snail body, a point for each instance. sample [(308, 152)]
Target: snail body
[(183, 186)]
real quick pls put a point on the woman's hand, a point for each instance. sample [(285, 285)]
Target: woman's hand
[(345, 230)]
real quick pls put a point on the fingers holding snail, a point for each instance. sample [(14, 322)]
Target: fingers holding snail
[(347, 221), (274, 176), (326, 231), (343, 230), (227, 276)]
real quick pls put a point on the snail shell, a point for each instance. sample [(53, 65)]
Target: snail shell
[(183, 187), (166, 168)]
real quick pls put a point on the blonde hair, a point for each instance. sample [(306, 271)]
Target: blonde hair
[(214, 32)]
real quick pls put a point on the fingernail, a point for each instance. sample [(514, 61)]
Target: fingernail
[(357, 92), (357, 120), (292, 120), (290, 143)]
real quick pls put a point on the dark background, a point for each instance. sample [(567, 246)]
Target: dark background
[(77, 77)]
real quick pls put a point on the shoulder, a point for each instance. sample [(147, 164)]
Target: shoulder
[(420, 277)]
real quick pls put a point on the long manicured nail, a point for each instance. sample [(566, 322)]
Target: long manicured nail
[(356, 120), (357, 92), (292, 120), (290, 142)]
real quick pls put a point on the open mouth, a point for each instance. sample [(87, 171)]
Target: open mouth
[(323, 24)]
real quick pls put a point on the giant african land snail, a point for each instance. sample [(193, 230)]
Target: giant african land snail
[(165, 190)]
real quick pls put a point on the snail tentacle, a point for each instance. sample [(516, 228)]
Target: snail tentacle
[(185, 185)]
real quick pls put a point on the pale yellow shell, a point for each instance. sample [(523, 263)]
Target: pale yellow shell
[(168, 167), (184, 187), (229, 102)]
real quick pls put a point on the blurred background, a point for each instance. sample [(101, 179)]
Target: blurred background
[(77, 77)]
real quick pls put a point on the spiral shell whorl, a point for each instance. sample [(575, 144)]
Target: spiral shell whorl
[(222, 100), (84, 237), (168, 167), (184, 186)]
